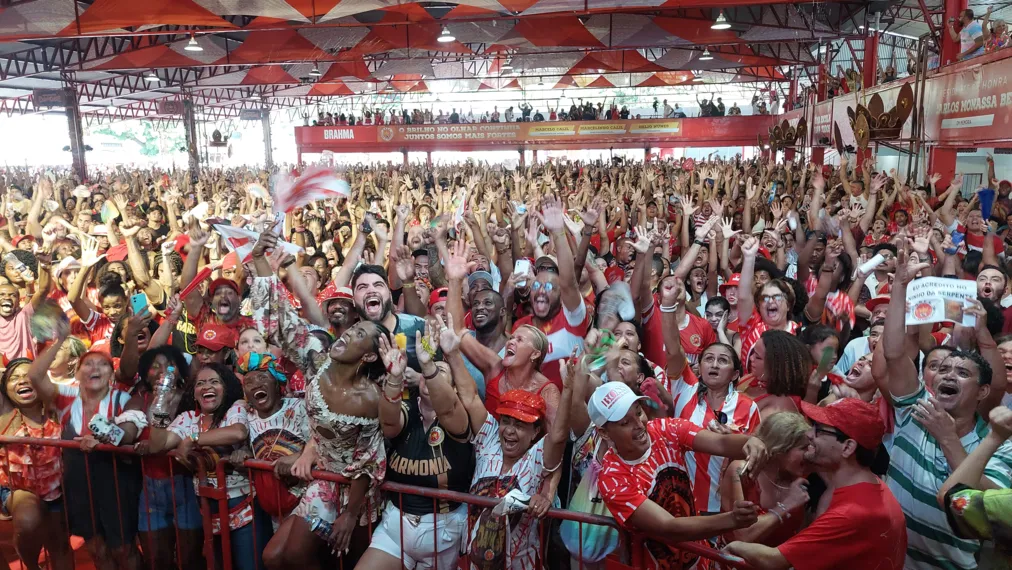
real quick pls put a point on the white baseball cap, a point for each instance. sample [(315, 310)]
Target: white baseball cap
[(611, 402)]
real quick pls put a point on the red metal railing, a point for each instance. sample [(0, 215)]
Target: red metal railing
[(633, 553)]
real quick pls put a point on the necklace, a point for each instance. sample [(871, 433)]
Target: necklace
[(774, 483)]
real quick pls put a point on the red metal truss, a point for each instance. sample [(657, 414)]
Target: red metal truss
[(100, 41)]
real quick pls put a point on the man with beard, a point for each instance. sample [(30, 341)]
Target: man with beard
[(863, 526), (557, 306), (487, 323), (944, 426), (373, 302), (16, 339), (223, 296), (338, 305)]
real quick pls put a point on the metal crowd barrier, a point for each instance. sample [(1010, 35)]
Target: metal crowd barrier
[(630, 553)]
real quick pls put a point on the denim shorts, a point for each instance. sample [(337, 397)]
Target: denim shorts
[(166, 500), (54, 506)]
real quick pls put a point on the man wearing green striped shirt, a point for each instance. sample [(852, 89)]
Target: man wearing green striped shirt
[(934, 434)]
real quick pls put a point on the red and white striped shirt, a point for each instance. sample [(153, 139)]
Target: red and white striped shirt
[(705, 470), (753, 329), (838, 303)]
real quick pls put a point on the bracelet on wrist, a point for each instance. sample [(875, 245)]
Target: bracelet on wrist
[(435, 372), (668, 308), (408, 285)]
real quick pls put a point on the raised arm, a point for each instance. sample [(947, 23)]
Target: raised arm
[(746, 302), (467, 391), (553, 218), (38, 372), (903, 379), (971, 471)]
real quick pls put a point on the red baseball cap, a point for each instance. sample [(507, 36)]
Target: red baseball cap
[(116, 253), (21, 238), (876, 301), (216, 337), (438, 295), (855, 418), (222, 282), (332, 292), (522, 405), (733, 281), (230, 261)]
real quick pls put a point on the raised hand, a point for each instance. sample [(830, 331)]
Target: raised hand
[(457, 267), (727, 228), (672, 291), (642, 243), (267, 242), (449, 340), (688, 208), (394, 359), (906, 271), (404, 264), (593, 213), (707, 226), (750, 248), (552, 215)]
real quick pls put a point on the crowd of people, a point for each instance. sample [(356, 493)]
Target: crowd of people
[(579, 110), (714, 352)]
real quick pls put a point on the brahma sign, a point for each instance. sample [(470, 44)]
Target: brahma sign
[(705, 131)]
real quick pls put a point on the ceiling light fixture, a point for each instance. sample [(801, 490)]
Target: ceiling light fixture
[(315, 72), (151, 77), (706, 55), (192, 45), (445, 37), (721, 22)]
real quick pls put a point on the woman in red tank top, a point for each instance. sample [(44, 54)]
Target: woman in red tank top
[(517, 370)]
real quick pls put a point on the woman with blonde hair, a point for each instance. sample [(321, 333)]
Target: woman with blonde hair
[(518, 369), (780, 489)]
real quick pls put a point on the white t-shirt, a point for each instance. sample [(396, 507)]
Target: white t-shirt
[(968, 35), (526, 475), (188, 423)]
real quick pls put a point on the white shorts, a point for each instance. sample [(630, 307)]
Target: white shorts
[(418, 545)]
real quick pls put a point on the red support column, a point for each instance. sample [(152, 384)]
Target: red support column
[(942, 161), (788, 154), (405, 153), (428, 159), (522, 161), (950, 48), (818, 155), (646, 154), (870, 59), (534, 156)]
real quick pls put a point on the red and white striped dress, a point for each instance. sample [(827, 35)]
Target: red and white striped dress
[(705, 469)]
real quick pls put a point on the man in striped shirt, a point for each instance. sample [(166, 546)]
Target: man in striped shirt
[(933, 435)]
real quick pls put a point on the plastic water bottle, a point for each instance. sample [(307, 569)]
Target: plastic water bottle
[(320, 528), (18, 266), (160, 413)]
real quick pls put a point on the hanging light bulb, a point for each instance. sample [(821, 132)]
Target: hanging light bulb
[(445, 37), (315, 72), (721, 22), (150, 76), (192, 45), (506, 65), (706, 55), (698, 75)]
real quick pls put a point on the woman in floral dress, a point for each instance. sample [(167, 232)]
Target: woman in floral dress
[(342, 400)]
